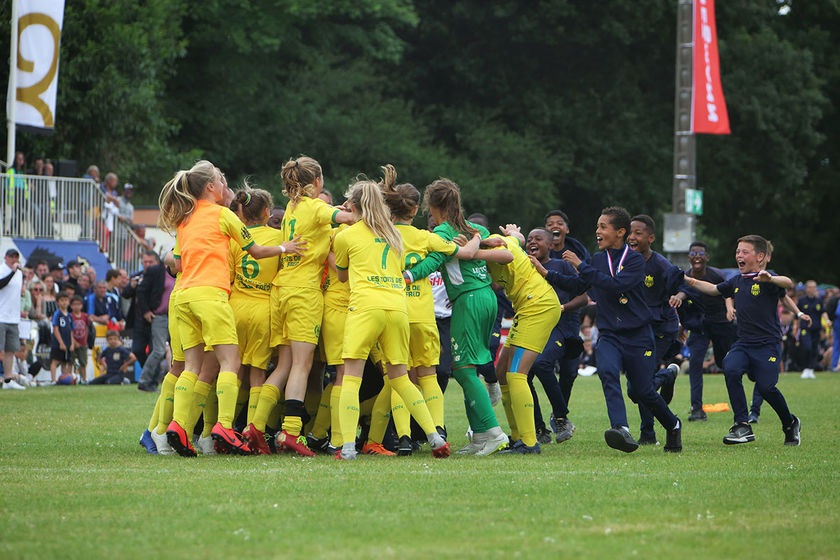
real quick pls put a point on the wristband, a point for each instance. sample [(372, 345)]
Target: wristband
[(282, 248), (692, 281), (799, 315)]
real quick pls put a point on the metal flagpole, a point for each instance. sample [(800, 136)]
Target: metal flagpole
[(679, 224), (11, 98)]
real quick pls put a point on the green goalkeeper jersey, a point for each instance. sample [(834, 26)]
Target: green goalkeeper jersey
[(459, 276)]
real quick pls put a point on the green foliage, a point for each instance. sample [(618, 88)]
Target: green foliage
[(527, 105), (115, 60)]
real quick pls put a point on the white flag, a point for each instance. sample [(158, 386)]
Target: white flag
[(39, 38)]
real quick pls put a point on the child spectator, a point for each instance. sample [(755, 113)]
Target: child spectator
[(81, 324), (587, 356), (62, 338), (116, 359), (103, 308)]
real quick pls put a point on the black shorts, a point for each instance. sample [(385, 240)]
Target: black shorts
[(60, 355)]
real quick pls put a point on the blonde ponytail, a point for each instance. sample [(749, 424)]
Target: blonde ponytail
[(179, 196), (367, 198), (299, 176)]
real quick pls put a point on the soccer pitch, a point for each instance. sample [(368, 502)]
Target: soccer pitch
[(76, 484)]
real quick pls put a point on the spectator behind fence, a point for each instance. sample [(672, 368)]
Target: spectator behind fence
[(110, 211), (92, 173), (153, 304), (81, 336), (37, 166), (146, 244), (126, 207), (103, 308), (11, 284), (116, 359)]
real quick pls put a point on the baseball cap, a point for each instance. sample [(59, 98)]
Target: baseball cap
[(128, 186), (12, 253), (73, 263)]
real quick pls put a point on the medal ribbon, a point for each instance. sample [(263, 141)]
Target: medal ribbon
[(620, 262)]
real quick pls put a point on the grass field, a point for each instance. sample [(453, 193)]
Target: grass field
[(75, 484)]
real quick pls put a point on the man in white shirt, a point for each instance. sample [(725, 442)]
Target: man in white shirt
[(11, 284)]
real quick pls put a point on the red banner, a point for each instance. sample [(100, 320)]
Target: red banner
[(708, 111)]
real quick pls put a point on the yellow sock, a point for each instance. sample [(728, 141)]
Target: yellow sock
[(415, 402), (211, 412), (242, 398), (167, 394), (201, 390), (253, 399), (335, 423), (183, 398), (366, 407), (399, 412), (227, 391), (322, 417), (269, 395), (514, 433), (154, 419), (292, 424), (348, 407), (522, 403), (274, 416), (434, 397), (381, 413)]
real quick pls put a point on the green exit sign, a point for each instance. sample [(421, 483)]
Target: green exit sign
[(694, 201)]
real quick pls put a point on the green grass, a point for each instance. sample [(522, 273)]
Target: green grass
[(74, 483)]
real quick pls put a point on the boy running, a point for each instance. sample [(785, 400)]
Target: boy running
[(758, 348)]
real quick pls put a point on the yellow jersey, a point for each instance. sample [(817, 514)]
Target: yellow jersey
[(203, 244), (519, 278), (376, 280), (336, 292), (311, 218), (417, 243), (252, 278)]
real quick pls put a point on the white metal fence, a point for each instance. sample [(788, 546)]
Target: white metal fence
[(70, 209)]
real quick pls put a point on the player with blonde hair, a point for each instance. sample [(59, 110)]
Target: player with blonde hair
[(189, 205)]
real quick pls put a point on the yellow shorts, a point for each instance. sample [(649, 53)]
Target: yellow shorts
[(205, 317), (363, 329), (296, 314), (532, 324), (332, 334), (174, 331), (376, 357), (424, 345), (253, 329)]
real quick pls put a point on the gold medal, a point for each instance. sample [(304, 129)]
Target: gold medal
[(623, 300)]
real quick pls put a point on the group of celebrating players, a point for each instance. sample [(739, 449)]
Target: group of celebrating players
[(348, 286)]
